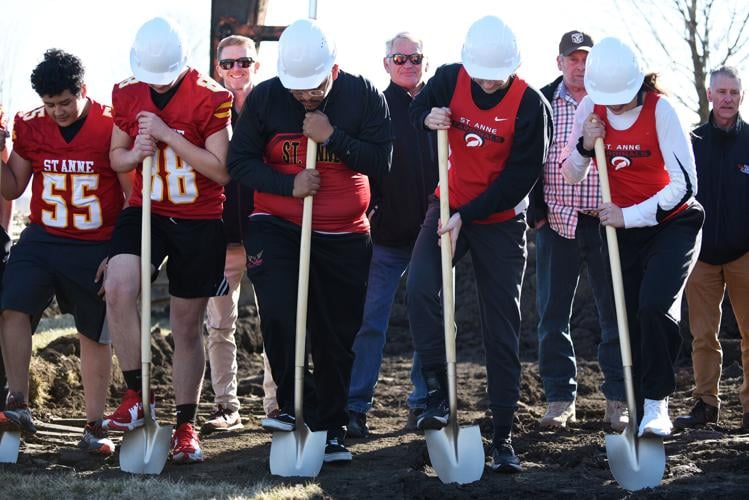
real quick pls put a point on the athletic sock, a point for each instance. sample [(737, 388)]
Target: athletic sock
[(186, 414), (133, 379)]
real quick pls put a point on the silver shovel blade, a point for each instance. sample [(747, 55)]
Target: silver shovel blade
[(145, 450), (10, 442), (635, 463), (299, 453), (457, 454)]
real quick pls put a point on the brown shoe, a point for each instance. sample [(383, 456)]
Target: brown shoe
[(701, 414), (617, 414), (223, 419), (558, 413)]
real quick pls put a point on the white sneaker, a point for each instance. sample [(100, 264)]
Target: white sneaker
[(558, 413), (655, 421)]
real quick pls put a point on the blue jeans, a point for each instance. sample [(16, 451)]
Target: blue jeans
[(385, 271), (558, 265)]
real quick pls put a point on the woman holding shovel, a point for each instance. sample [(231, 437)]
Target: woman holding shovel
[(653, 182), (498, 132)]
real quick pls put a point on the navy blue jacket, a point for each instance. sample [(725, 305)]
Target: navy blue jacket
[(722, 159), (399, 199)]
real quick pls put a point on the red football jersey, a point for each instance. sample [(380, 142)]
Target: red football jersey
[(74, 191), (199, 108)]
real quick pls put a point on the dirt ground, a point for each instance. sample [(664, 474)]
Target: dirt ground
[(393, 463)]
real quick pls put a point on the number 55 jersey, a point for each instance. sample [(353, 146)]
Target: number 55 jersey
[(74, 191), (198, 108)]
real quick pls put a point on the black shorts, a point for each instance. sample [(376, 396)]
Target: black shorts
[(196, 250), (42, 266)]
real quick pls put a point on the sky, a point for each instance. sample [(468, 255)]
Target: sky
[(89, 29)]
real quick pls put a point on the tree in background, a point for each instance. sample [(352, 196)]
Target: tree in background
[(696, 36)]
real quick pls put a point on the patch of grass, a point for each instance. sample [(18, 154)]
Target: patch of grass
[(63, 486), (44, 336)]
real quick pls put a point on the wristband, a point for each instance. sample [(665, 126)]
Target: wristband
[(587, 153)]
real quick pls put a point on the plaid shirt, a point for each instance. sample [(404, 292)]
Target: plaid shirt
[(565, 200)]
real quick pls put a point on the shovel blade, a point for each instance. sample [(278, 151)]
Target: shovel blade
[(635, 463), (299, 453), (145, 450), (457, 454), (10, 442)]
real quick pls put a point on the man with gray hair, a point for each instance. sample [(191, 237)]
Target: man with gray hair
[(721, 153), (397, 209), (568, 236)]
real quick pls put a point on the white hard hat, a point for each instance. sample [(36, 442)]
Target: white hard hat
[(613, 74), (305, 55), (490, 51), (159, 52)]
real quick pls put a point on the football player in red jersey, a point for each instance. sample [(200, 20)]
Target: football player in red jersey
[(171, 112), (63, 148)]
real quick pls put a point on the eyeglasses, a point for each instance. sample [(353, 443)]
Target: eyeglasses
[(400, 59), (243, 62), (318, 92)]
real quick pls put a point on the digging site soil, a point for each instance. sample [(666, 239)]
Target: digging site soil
[(393, 463)]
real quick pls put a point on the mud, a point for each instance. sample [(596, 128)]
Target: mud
[(393, 463)]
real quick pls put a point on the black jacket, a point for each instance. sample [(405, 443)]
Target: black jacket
[(538, 209), (399, 200), (238, 204), (362, 136), (530, 144), (722, 159)]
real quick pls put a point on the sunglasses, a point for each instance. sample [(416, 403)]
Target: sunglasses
[(243, 62), (400, 59)]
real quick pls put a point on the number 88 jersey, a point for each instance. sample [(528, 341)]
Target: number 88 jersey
[(74, 191), (199, 108)]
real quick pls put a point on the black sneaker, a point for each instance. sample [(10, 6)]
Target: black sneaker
[(437, 412), (278, 421), (357, 425), (335, 450), (504, 459), (434, 416)]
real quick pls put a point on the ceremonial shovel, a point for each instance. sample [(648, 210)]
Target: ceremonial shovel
[(145, 450), (636, 463), (10, 441), (300, 453), (456, 453)]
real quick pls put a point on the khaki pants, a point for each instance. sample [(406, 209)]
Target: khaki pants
[(705, 290)]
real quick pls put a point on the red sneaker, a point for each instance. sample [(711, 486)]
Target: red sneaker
[(186, 445), (129, 415)]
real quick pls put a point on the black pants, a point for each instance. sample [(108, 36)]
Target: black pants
[(656, 262), (498, 253), (339, 266)]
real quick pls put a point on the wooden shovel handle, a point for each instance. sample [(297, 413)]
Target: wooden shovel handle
[(303, 291)]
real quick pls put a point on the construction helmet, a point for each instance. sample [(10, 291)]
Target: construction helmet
[(490, 51), (613, 74), (159, 52), (305, 55)]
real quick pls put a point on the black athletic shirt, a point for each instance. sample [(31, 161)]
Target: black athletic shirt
[(533, 132)]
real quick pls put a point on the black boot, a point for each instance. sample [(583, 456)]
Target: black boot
[(437, 412), (701, 414), (357, 425)]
